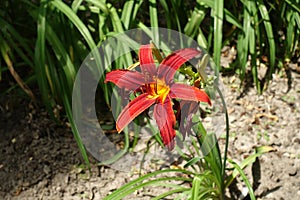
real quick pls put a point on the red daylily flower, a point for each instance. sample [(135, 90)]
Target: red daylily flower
[(157, 87)]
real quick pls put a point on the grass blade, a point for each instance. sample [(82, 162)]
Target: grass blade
[(101, 5), (229, 17), (192, 27), (4, 49), (252, 29), (179, 190), (294, 4), (154, 20), (218, 24), (129, 12), (138, 183), (269, 31), (62, 57), (243, 43), (245, 179), (75, 131), (249, 160), (196, 187), (39, 58), (75, 5), (19, 43), (76, 21)]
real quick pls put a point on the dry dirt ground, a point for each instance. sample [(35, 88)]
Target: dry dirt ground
[(40, 159)]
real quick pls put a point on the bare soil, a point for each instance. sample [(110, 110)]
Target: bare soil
[(39, 159)]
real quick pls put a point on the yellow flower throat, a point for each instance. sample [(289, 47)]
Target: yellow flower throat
[(158, 89)]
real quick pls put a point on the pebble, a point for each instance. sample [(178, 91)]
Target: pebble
[(287, 155), (26, 184), (42, 184), (58, 189), (35, 135), (292, 171), (73, 190), (292, 156), (261, 97), (296, 140), (46, 169), (67, 178)]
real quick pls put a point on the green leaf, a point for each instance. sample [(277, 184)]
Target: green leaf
[(196, 187), (75, 5), (245, 179), (39, 57), (140, 182), (294, 4), (129, 12), (218, 29), (249, 160), (192, 162), (76, 21), (269, 30), (69, 112), (62, 57), (180, 190), (192, 27), (100, 4), (229, 17), (17, 42)]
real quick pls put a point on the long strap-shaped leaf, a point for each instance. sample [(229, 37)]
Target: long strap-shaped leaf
[(269, 30), (39, 58), (138, 183), (218, 24)]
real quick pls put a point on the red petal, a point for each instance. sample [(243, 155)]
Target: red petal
[(187, 111), (130, 80), (147, 62), (133, 109), (171, 63), (165, 119), (190, 93)]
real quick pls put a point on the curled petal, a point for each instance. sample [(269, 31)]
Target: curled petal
[(133, 109), (147, 62), (165, 119), (171, 63), (189, 93), (186, 111), (130, 80)]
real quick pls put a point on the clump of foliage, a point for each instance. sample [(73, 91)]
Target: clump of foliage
[(45, 42)]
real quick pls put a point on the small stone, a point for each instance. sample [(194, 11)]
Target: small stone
[(250, 107), (46, 169), (67, 178), (26, 184), (42, 184), (297, 140), (73, 190), (58, 189), (261, 98), (292, 171), (292, 156), (72, 176), (287, 155), (35, 135)]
